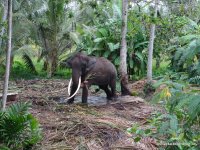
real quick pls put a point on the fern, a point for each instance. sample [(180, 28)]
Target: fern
[(173, 123), (195, 80), (196, 69), (194, 107), (192, 50), (29, 63), (18, 108), (18, 128), (187, 38), (180, 51), (187, 53)]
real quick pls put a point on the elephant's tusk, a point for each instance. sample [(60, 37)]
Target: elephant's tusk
[(70, 82), (79, 84)]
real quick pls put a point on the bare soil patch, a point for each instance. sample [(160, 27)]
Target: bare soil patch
[(77, 126)]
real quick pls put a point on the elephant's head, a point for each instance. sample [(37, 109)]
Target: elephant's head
[(81, 64)]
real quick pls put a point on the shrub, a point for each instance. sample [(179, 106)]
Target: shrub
[(18, 128), (178, 127)]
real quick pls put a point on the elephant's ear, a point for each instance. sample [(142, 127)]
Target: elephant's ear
[(91, 63)]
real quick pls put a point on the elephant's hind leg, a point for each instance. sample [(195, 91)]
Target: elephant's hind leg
[(113, 88), (107, 91)]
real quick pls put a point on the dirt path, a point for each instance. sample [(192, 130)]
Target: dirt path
[(69, 127)]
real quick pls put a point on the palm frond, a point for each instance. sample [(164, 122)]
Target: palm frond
[(192, 50), (188, 38), (195, 80), (29, 63), (18, 108), (18, 128), (194, 107)]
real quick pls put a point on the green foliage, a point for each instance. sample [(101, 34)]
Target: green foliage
[(187, 55), (186, 51), (183, 110), (29, 63), (139, 133), (180, 122), (104, 37), (20, 71), (18, 128), (148, 88), (195, 80)]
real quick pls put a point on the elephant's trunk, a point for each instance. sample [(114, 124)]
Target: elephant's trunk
[(79, 84)]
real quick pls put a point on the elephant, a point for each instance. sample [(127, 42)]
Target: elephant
[(90, 70)]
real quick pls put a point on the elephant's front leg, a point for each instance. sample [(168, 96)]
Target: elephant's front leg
[(85, 94), (73, 89), (86, 84)]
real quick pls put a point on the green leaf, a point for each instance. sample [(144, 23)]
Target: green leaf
[(116, 46), (117, 61), (29, 63), (111, 46), (194, 107), (147, 131), (133, 129), (131, 63), (137, 139), (104, 32), (173, 123), (164, 126), (75, 37), (140, 44), (139, 131), (106, 54), (97, 40), (141, 60)]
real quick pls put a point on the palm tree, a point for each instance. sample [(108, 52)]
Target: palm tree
[(45, 24), (5, 12), (53, 25), (5, 88), (4, 19)]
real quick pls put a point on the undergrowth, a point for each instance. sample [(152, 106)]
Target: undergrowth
[(177, 127), (18, 128), (20, 70)]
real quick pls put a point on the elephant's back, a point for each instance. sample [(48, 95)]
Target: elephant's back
[(106, 66), (103, 73)]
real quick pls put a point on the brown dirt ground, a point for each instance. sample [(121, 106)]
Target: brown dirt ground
[(81, 127)]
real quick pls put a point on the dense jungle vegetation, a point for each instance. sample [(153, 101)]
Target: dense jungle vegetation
[(47, 32)]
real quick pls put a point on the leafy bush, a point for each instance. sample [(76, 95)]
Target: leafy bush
[(186, 51), (178, 127), (18, 128)]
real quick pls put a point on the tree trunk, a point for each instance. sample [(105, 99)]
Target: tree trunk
[(52, 64), (123, 51), (5, 14), (150, 48), (5, 87)]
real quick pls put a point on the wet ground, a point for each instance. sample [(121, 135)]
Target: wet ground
[(95, 100)]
